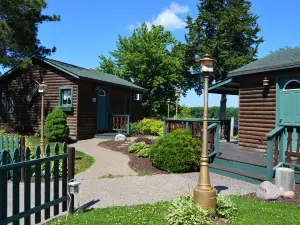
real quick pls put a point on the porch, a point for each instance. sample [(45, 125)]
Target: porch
[(227, 159)]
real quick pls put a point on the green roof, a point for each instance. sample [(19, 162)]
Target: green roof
[(279, 60), (86, 74)]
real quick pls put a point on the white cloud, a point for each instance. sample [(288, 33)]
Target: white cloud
[(169, 18)]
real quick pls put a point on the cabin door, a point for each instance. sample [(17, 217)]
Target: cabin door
[(102, 110), (288, 108)]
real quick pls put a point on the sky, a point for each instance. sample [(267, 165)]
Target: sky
[(90, 28)]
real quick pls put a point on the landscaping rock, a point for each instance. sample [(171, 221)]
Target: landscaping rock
[(289, 194), (268, 191), (120, 137)]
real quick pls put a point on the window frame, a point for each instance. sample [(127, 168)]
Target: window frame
[(61, 89), (288, 82), (13, 94)]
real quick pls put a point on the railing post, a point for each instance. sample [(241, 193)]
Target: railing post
[(187, 125), (71, 164), (217, 139), (128, 124), (281, 149), (165, 128), (269, 174)]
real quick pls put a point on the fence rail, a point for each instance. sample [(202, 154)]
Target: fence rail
[(42, 168)]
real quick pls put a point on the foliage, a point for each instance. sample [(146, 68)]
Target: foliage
[(153, 59), (56, 125), (176, 152), (185, 112), (184, 211), (213, 112), (225, 208), (5, 128), (109, 176), (140, 148), (135, 128), (228, 31), (151, 127), (19, 23)]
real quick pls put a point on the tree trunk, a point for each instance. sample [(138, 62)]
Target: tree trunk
[(285, 179)]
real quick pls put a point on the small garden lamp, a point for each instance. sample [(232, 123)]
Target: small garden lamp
[(204, 194), (42, 91), (177, 95)]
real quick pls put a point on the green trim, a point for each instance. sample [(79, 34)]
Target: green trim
[(66, 108), (275, 131), (61, 88), (262, 70), (219, 84)]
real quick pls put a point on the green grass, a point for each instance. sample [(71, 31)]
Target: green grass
[(250, 212), (111, 176), (82, 160), (144, 173)]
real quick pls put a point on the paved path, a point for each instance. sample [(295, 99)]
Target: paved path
[(131, 189)]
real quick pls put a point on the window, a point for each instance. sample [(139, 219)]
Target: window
[(292, 85), (101, 92), (10, 101), (66, 96), (127, 104)]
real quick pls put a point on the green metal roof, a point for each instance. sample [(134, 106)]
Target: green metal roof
[(86, 74), (279, 60), (92, 75), (227, 86)]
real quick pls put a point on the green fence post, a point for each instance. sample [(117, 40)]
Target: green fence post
[(269, 174), (56, 179), (187, 125), (27, 187), (47, 181), (37, 181), (6, 142), (1, 143), (71, 164), (16, 186), (3, 186), (165, 128), (64, 177), (11, 151)]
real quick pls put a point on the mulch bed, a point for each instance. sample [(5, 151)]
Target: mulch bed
[(290, 201), (138, 164)]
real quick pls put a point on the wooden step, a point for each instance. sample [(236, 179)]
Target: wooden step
[(237, 173)]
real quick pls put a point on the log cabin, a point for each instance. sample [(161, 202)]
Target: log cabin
[(95, 103)]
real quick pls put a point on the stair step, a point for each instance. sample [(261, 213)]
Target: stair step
[(252, 177)]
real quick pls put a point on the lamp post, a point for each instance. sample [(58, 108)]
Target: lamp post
[(168, 102), (42, 91), (204, 194), (177, 94)]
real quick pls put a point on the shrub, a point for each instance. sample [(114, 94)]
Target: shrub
[(176, 152), (184, 211), (135, 128), (225, 207), (140, 148), (56, 125), (151, 127)]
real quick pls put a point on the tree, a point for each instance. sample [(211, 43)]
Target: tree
[(19, 21), (228, 31), (153, 59)]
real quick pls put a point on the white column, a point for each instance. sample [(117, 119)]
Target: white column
[(231, 126)]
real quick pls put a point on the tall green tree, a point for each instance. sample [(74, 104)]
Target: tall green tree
[(153, 59), (228, 31), (19, 22)]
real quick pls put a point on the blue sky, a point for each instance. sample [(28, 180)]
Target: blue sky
[(90, 28)]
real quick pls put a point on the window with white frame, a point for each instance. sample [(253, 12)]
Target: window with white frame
[(65, 96)]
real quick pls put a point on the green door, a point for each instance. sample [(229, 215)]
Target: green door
[(102, 110), (288, 109)]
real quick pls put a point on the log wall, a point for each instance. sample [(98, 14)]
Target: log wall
[(26, 115)]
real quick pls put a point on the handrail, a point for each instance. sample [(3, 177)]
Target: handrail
[(211, 126), (191, 120), (275, 131)]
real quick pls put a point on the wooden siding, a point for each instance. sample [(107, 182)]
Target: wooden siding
[(87, 109), (257, 108), (27, 114)]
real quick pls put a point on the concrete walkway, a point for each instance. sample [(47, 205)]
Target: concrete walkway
[(131, 189)]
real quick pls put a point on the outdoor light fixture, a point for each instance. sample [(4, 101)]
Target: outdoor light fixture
[(42, 88), (73, 186), (204, 194), (206, 64), (177, 93), (266, 82)]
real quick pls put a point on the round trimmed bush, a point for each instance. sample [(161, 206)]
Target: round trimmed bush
[(176, 152), (56, 127)]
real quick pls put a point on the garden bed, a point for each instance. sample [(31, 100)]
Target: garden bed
[(138, 164), (290, 201)]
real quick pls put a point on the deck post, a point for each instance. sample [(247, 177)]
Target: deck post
[(281, 149), (128, 124), (217, 139), (269, 174), (187, 125)]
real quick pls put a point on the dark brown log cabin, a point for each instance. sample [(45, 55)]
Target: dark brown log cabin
[(264, 106), (90, 99)]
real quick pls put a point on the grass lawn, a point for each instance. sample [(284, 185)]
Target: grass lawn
[(250, 212), (82, 160)]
